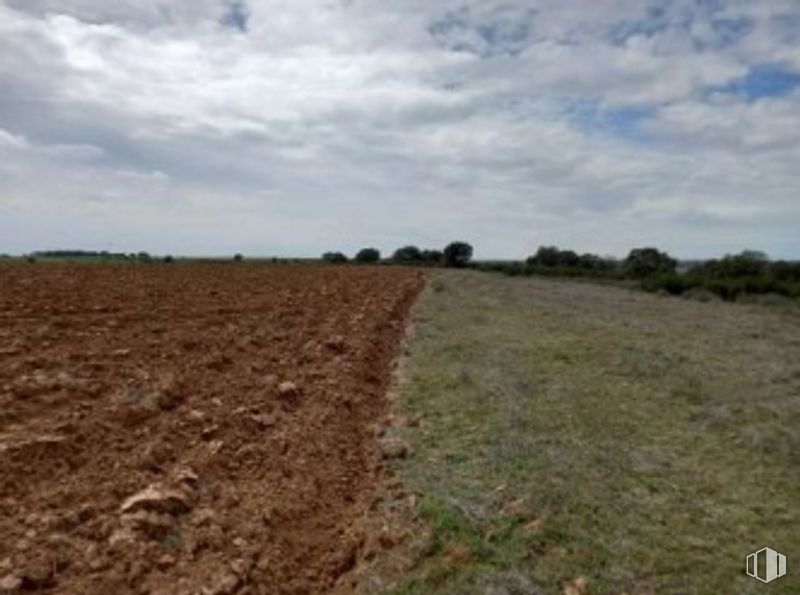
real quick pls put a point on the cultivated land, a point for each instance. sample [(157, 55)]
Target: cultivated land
[(191, 428), (577, 438)]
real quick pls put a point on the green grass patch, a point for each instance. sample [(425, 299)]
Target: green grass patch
[(572, 430)]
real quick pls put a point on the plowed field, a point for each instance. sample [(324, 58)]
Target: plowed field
[(191, 428)]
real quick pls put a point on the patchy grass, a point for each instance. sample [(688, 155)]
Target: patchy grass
[(646, 444)]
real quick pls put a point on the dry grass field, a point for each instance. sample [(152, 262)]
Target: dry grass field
[(575, 438)]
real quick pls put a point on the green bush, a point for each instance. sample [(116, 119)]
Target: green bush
[(645, 262), (368, 255), (407, 255), (457, 254), (672, 283), (334, 258)]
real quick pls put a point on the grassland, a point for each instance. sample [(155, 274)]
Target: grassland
[(578, 438)]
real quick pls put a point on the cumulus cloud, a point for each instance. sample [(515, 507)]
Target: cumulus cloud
[(292, 127)]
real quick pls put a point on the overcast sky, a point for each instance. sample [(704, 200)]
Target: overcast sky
[(290, 127)]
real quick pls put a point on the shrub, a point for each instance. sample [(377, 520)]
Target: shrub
[(432, 257), (368, 255), (144, 257), (238, 257), (457, 254), (672, 283), (546, 256), (334, 258), (644, 262), (407, 255), (168, 259)]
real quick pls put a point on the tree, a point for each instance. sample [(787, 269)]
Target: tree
[(568, 258), (546, 256), (238, 257), (407, 255), (432, 257), (334, 258), (457, 254), (748, 263), (368, 255), (644, 262)]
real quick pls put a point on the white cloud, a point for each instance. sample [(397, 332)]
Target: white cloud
[(153, 125)]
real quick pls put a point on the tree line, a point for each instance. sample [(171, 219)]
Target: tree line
[(455, 254), (734, 275)]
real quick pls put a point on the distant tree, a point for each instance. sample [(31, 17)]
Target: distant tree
[(748, 263), (407, 255), (568, 258), (334, 258), (457, 254), (432, 257), (590, 262), (368, 255), (786, 271), (238, 257), (144, 257), (644, 262), (168, 259), (546, 256)]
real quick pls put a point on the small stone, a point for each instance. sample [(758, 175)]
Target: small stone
[(187, 476), (288, 389), (158, 499), (10, 583), (196, 415), (393, 448), (241, 567), (121, 538), (225, 584), (240, 543), (203, 516), (209, 432), (579, 586), (166, 561)]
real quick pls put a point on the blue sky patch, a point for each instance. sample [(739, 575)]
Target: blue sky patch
[(503, 32), (763, 80), (624, 122)]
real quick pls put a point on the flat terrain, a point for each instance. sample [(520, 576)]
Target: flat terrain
[(575, 438), (190, 428)]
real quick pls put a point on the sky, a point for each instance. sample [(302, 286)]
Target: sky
[(293, 127)]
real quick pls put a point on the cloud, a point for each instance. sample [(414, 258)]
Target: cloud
[(295, 127)]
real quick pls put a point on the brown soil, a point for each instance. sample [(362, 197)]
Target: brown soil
[(191, 428)]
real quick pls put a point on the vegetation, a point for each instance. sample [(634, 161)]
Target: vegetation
[(585, 431), (729, 278), (457, 255), (238, 258), (334, 258), (368, 256), (646, 262), (407, 255), (431, 257)]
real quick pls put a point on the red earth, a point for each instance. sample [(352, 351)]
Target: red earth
[(192, 428)]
